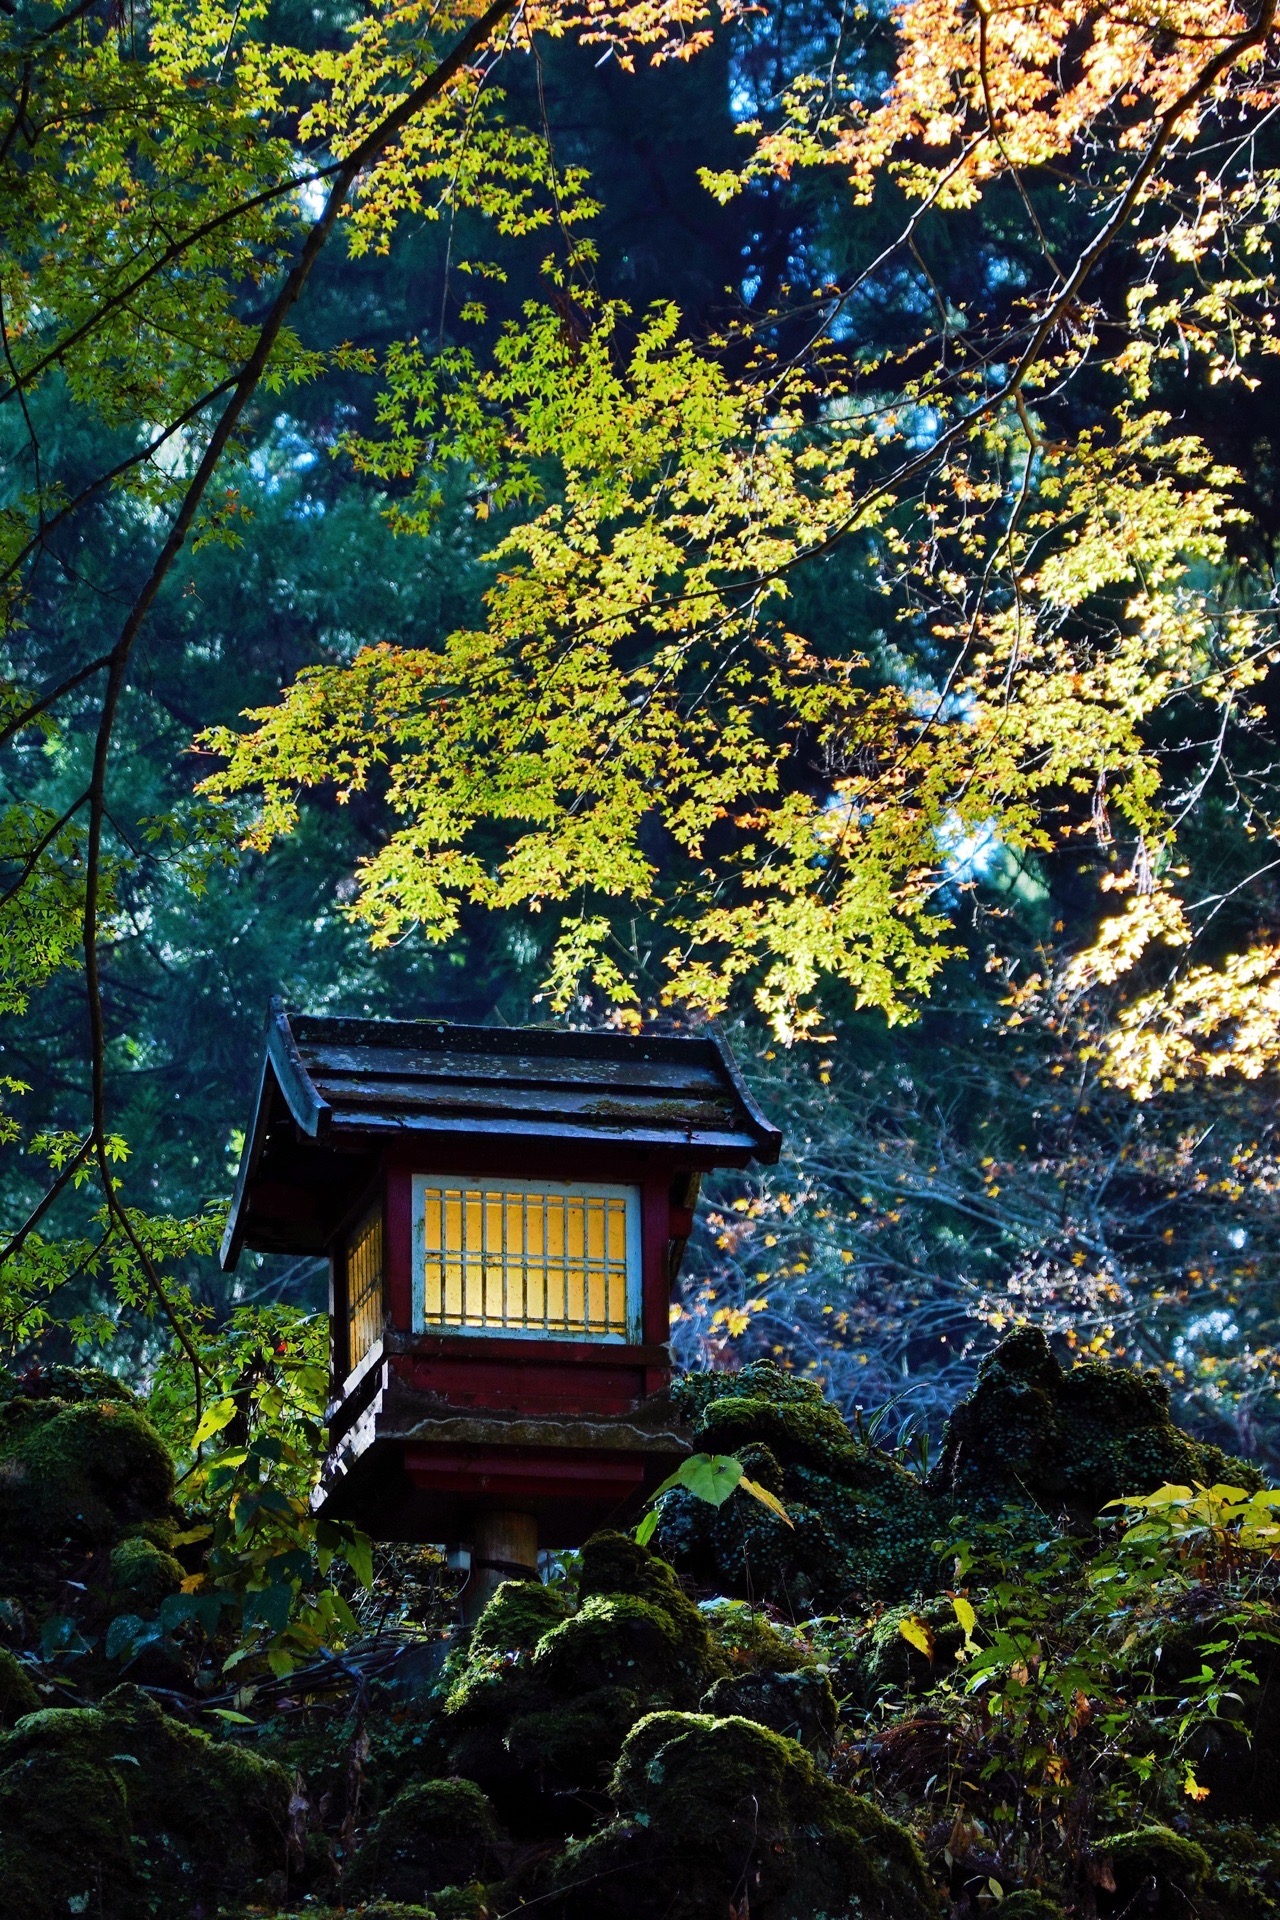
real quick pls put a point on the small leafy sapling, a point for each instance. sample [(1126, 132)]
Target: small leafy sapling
[(711, 1477)]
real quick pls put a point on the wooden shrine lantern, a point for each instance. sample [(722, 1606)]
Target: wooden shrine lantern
[(504, 1211)]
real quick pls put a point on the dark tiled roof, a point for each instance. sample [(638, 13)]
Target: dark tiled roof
[(344, 1081)]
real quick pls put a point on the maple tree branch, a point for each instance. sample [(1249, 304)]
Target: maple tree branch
[(86, 494), (43, 1205), (67, 19), (174, 251), (51, 698), (1053, 314), (1023, 195), (346, 173), (42, 843)]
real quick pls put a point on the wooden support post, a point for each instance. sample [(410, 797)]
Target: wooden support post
[(503, 1547)]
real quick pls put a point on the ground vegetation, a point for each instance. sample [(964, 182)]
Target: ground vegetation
[(1050, 1693)]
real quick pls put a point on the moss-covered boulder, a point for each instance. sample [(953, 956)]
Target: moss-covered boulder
[(142, 1575), (885, 1661), (18, 1694), (1068, 1438), (451, 1903), (126, 1809), (440, 1833), (800, 1705), (70, 1385), (860, 1525), (1157, 1873), (1032, 1433), (547, 1694), (749, 1641), (715, 1816), (86, 1507), (1028, 1903), (81, 1469), (516, 1618)]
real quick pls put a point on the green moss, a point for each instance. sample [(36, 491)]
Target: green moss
[(544, 1697), (590, 1679), (371, 1910), (125, 1799), (142, 1575), (616, 1640), (1029, 1904), (461, 1903), (86, 1473), (574, 1744), (861, 1526), (718, 1813), (798, 1433), (17, 1689), (748, 1641), (64, 1818), (1033, 1430), (884, 1661), (1157, 1871), (516, 1618), (800, 1705), (451, 1903), (68, 1384), (436, 1834), (1031, 1434), (705, 1397)]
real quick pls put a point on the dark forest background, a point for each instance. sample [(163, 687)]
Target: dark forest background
[(942, 1180)]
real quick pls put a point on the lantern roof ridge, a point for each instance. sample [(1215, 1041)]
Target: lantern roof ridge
[(336, 1085)]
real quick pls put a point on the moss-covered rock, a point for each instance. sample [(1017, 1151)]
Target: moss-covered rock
[(1071, 1439), (74, 1476), (861, 1526), (716, 1815), (884, 1661), (800, 1705), (441, 1833), (620, 1640), (1157, 1873), (17, 1689), (86, 1496), (142, 1575), (451, 1903), (370, 1910), (1028, 1903), (71, 1385), (1032, 1434), (546, 1695), (144, 1815), (64, 1835), (516, 1618), (749, 1641)]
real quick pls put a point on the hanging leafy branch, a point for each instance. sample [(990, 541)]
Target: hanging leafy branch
[(157, 175), (641, 682)]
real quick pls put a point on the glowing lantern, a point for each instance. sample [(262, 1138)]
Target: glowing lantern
[(504, 1211)]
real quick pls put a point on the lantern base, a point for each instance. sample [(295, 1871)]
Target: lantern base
[(408, 1467)]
